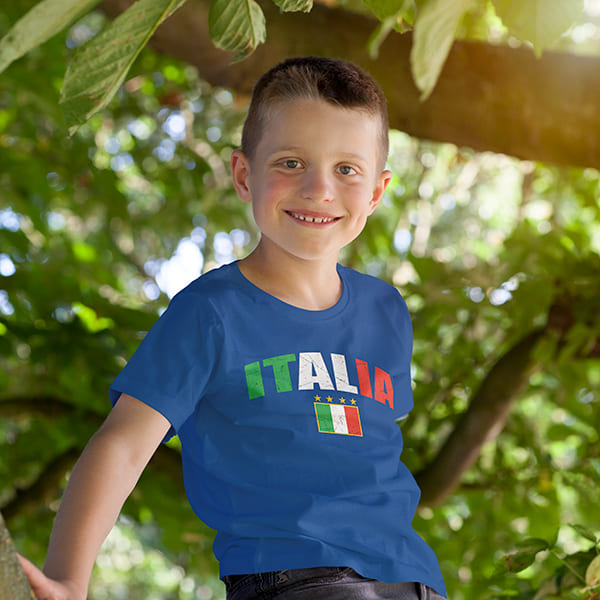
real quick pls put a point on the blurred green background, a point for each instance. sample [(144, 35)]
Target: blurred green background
[(99, 230)]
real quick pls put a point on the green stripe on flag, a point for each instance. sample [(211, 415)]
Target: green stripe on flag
[(324, 420), (342, 419)]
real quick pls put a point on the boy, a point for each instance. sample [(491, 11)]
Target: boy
[(283, 374)]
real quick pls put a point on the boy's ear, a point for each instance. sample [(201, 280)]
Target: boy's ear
[(240, 169), (380, 186)]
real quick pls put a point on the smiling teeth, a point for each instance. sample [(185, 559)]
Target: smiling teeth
[(313, 219)]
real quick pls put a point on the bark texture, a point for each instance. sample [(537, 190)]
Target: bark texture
[(13, 583), (488, 97)]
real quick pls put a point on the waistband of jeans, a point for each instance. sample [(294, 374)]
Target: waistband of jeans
[(230, 580)]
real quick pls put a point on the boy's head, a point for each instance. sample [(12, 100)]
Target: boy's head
[(337, 82)]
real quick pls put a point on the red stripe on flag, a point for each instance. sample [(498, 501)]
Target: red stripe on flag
[(353, 420)]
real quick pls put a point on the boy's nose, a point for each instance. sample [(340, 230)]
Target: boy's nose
[(317, 186)]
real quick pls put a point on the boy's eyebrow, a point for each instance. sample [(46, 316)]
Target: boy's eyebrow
[(343, 155), (286, 149)]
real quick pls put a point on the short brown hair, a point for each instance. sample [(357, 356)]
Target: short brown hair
[(336, 81)]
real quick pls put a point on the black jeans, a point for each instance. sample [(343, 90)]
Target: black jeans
[(321, 583)]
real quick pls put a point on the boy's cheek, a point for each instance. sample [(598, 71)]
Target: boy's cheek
[(277, 187)]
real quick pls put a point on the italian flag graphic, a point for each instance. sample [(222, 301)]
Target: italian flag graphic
[(337, 418)]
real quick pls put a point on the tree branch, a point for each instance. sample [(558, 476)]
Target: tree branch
[(46, 406), (482, 421), (13, 582), (44, 489), (488, 97)]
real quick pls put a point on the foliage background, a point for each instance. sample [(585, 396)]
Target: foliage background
[(96, 229)]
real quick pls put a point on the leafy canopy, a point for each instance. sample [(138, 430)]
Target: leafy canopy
[(98, 68)]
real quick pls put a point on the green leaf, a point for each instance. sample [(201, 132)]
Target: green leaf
[(540, 22), (390, 14), (294, 5), (558, 431), (592, 573), (237, 26), (379, 35), (384, 9), (98, 69), (585, 532), (434, 32), (90, 319), (42, 22), (534, 544), (584, 484), (518, 561)]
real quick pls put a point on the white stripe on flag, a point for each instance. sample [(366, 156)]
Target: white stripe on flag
[(338, 416)]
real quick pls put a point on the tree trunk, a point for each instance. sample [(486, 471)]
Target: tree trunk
[(488, 97), (13, 583)]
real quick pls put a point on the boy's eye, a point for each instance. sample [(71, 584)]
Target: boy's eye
[(291, 163), (346, 170)]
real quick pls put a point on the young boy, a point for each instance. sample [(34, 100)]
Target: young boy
[(283, 375)]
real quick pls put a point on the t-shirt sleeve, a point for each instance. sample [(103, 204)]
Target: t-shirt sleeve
[(405, 334), (170, 369)]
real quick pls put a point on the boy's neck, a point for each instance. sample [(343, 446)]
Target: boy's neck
[(307, 284)]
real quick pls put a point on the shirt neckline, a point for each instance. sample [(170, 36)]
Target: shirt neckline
[(290, 310)]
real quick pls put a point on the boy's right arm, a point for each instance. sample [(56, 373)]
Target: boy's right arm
[(102, 479)]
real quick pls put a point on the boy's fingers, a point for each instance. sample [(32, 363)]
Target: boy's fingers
[(27, 565), (36, 578), (45, 588)]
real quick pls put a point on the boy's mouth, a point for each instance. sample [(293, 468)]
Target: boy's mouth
[(311, 218)]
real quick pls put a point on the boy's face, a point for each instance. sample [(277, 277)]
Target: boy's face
[(314, 178)]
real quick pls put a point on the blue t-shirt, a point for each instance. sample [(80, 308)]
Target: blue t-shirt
[(287, 421)]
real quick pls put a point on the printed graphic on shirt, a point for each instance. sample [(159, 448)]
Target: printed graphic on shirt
[(315, 374), (338, 418), (312, 371)]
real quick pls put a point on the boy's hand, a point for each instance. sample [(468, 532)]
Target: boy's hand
[(45, 588)]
